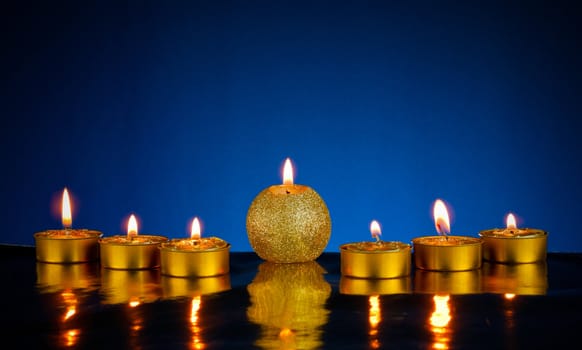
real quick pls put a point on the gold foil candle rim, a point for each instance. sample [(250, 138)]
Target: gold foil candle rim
[(174, 245), (360, 247), (288, 189), (433, 241), (74, 234), (139, 240), (498, 233)]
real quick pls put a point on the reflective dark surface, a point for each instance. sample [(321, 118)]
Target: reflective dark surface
[(299, 306)]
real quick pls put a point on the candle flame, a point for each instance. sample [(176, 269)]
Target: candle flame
[(441, 218), (66, 210), (375, 229), (288, 172), (132, 227), (510, 221), (195, 230)]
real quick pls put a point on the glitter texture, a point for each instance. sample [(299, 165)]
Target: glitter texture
[(288, 224)]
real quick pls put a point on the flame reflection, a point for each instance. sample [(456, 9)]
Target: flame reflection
[(374, 318), (136, 322), (195, 328), (70, 300), (69, 336), (439, 321)]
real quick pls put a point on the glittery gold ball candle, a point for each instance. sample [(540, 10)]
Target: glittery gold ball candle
[(288, 223)]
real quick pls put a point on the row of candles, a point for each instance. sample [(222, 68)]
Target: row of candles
[(290, 223)]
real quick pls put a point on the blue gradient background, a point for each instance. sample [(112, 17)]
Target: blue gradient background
[(189, 108)]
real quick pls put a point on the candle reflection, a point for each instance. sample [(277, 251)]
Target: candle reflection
[(195, 328), (130, 286), (288, 302), (519, 279), (374, 317), (439, 321)]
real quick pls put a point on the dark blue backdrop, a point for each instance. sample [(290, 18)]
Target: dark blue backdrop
[(189, 108)]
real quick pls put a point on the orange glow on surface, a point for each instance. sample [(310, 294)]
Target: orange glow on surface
[(134, 302), (285, 333), (510, 221), (439, 321), (132, 227), (375, 229), (441, 217), (194, 326), (288, 172), (70, 337), (442, 313), (71, 304), (67, 219), (374, 316), (195, 230)]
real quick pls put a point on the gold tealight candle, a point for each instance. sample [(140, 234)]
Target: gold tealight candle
[(377, 259), (446, 253), (67, 245), (195, 257), (131, 251), (514, 245), (288, 223)]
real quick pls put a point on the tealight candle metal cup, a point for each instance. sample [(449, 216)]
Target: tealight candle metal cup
[(394, 261), (67, 245), (141, 252), (450, 253), (194, 262), (528, 247)]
